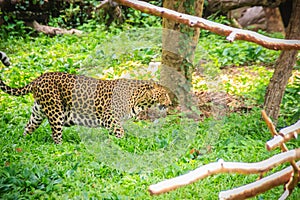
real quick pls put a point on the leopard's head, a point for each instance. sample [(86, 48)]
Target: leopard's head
[(153, 94), (160, 95)]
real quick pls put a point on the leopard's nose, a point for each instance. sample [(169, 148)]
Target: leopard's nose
[(162, 107)]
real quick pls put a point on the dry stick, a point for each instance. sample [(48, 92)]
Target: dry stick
[(272, 129), (274, 133), (51, 30), (284, 135), (278, 140), (260, 186), (294, 179), (232, 33), (103, 3), (223, 167), (269, 123), (293, 128)]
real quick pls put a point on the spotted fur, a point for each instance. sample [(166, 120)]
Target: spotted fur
[(67, 99)]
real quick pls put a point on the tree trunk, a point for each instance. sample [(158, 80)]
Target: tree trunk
[(179, 44), (283, 67), (285, 9)]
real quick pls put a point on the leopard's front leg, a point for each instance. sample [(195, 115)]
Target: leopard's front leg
[(118, 130), (113, 124)]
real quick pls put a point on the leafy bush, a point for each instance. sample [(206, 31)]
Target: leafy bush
[(13, 27), (136, 18), (238, 53)]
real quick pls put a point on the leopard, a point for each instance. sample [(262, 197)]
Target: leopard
[(66, 100)]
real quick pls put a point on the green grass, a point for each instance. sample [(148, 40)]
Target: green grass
[(33, 167)]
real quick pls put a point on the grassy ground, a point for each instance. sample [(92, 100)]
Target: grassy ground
[(34, 167)]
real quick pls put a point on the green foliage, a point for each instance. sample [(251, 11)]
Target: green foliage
[(69, 14), (13, 27), (238, 53), (291, 101), (219, 19), (129, 52), (136, 18), (35, 178)]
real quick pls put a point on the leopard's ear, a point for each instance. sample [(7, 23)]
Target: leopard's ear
[(153, 86), (148, 85)]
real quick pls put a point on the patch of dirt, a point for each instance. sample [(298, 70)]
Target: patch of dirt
[(218, 104), (236, 70)]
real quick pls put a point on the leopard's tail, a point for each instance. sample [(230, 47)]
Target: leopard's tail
[(5, 88)]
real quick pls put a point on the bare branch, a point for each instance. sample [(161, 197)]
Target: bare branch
[(51, 30), (278, 140), (223, 167), (273, 131), (260, 186), (270, 43), (269, 123), (102, 3), (292, 183), (295, 128)]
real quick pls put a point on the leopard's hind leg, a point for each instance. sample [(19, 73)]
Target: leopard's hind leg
[(35, 120), (54, 113)]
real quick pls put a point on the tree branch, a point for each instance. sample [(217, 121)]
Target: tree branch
[(270, 43), (223, 167), (51, 30), (102, 3), (285, 134), (260, 186), (295, 128), (269, 123), (278, 140)]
